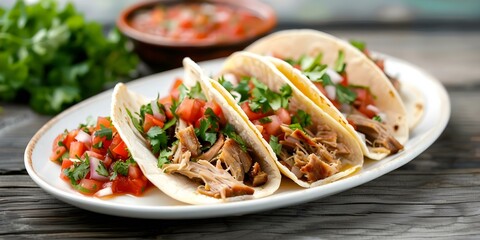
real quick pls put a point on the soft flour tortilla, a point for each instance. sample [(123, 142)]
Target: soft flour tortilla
[(360, 70), (175, 185), (248, 64)]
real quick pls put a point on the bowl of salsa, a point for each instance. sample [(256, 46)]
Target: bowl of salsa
[(164, 32)]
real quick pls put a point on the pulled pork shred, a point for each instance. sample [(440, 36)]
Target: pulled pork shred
[(222, 171), (312, 157), (376, 134)]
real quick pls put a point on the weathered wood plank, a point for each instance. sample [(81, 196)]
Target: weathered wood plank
[(442, 204)]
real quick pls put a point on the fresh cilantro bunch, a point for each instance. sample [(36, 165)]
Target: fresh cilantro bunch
[(55, 58)]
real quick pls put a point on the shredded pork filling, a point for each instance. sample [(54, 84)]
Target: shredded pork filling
[(376, 134), (224, 170), (312, 157)]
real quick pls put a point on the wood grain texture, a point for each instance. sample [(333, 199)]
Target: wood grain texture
[(437, 195), (440, 204)]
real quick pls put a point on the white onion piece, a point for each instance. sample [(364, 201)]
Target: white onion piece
[(83, 137), (373, 109), (362, 136), (94, 162), (334, 76), (230, 78), (156, 111), (104, 192), (237, 96), (330, 92)]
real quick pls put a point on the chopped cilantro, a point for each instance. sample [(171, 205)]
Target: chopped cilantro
[(183, 91), (295, 126), (60, 144), (158, 139), (104, 132), (302, 118), (340, 62), (265, 120), (276, 147), (170, 124), (101, 169), (229, 131), (358, 44), (226, 84), (78, 172), (98, 145), (196, 92), (265, 99), (377, 118), (163, 158), (208, 127), (243, 89), (345, 94), (136, 122), (308, 63)]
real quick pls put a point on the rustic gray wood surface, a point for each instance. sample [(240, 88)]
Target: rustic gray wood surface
[(437, 195)]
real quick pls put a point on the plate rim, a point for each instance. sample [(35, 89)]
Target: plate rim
[(231, 208)]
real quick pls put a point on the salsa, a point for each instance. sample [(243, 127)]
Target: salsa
[(95, 160), (194, 22)]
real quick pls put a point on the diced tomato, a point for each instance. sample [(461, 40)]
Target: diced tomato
[(151, 121), (95, 155), (105, 122), (174, 92), (273, 127), (216, 109), (380, 63), (336, 103), (134, 172), (66, 163), (89, 186), (70, 138), (100, 144), (58, 139), (364, 98), (251, 114), (168, 111), (107, 161), (57, 154), (76, 149), (190, 110), (124, 184), (120, 151), (284, 116)]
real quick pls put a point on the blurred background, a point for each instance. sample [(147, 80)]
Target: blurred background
[(340, 13)]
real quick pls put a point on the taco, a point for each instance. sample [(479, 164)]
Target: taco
[(345, 84), (193, 147), (309, 146), (411, 97)]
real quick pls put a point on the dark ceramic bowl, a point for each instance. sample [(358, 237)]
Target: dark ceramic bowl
[(162, 53)]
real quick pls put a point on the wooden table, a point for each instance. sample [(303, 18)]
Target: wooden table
[(435, 195)]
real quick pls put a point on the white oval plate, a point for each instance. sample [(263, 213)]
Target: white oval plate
[(154, 204)]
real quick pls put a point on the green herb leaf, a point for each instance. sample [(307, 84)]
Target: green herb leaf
[(163, 158), (295, 126), (229, 131), (209, 126), (196, 92), (98, 145), (277, 147), (358, 44), (226, 84), (101, 169), (265, 120), (377, 118), (136, 122), (345, 94), (302, 118), (340, 62), (104, 132), (158, 139), (243, 89), (78, 171)]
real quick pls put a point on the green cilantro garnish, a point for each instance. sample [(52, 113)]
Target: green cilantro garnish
[(345, 94), (104, 132), (163, 157), (121, 168), (243, 89), (169, 124), (277, 147), (136, 122), (101, 169), (196, 92), (209, 126), (302, 118), (308, 64), (340, 62), (358, 44), (158, 139), (89, 123), (226, 84), (98, 145), (265, 99), (61, 144), (265, 120), (377, 118), (229, 131), (295, 126), (79, 171)]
